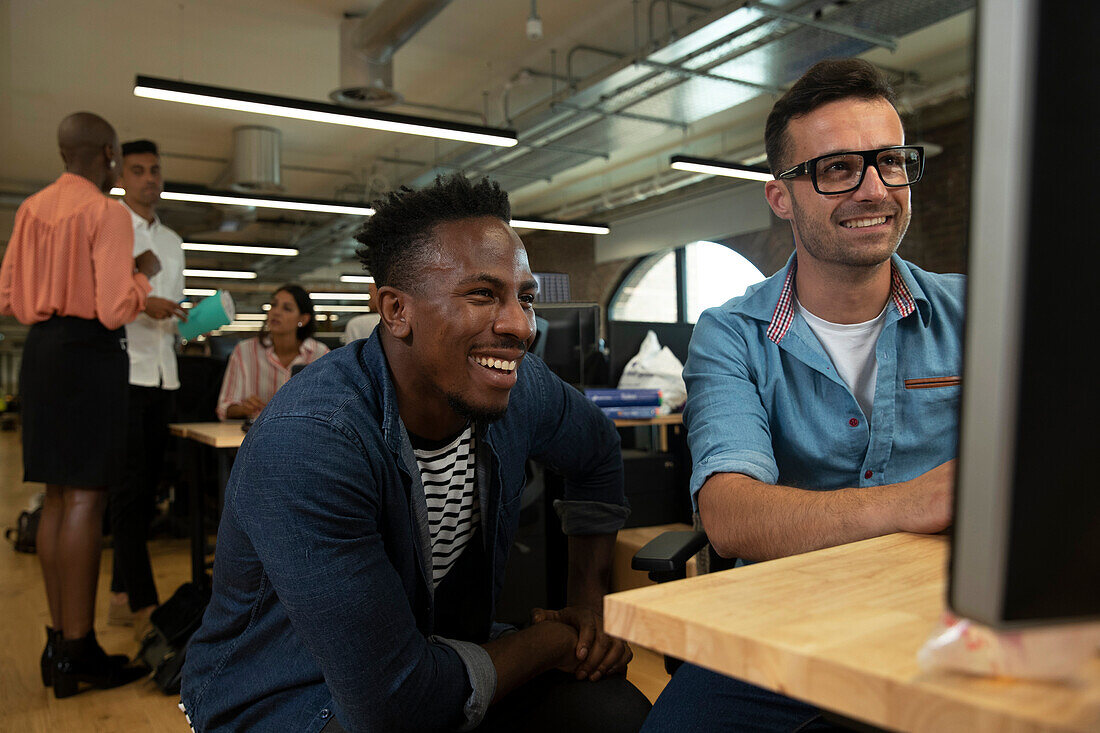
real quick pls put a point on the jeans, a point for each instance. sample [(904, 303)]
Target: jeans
[(696, 699)]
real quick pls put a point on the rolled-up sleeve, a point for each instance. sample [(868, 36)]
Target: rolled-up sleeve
[(576, 439), (728, 429), (311, 516)]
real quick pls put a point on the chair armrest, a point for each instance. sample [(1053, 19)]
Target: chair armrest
[(665, 556)]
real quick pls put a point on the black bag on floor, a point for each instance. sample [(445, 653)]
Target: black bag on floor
[(164, 648), (25, 531)]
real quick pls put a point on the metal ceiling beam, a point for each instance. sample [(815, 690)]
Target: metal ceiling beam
[(624, 115), (682, 71), (821, 25)]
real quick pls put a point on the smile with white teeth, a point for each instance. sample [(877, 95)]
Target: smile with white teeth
[(860, 223), (504, 366)]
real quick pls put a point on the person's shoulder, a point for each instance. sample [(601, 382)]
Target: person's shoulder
[(333, 388), (314, 347), (937, 285)]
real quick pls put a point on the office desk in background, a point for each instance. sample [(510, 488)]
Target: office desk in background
[(840, 628), (224, 438)]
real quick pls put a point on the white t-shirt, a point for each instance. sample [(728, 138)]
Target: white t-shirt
[(360, 327), (851, 347), (151, 343)]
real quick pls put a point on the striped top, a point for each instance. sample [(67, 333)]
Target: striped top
[(450, 488), (785, 308), (255, 370), (71, 254)]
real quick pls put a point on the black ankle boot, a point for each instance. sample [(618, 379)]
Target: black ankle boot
[(83, 660), (49, 655)]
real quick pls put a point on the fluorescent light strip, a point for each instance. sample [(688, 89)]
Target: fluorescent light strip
[(340, 296), (259, 202), (199, 291), (719, 168), (208, 198), (251, 316), (228, 274), (560, 226), (342, 308), (209, 96), (356, 279), (243, 249)]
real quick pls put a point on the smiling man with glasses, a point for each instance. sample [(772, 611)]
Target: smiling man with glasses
[(822, 403)]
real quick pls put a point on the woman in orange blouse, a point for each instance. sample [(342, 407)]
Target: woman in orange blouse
[(69, 272)]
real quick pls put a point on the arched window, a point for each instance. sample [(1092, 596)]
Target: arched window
[(677, 285)]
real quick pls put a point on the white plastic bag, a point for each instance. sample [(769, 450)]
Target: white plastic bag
[(1052, 653), (656, 367)]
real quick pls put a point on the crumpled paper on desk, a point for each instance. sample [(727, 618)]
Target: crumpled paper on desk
[(1050, 653)]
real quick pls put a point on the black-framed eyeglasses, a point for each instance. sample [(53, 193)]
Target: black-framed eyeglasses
[(897, 166)]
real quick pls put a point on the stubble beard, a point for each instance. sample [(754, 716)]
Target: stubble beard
[(473, 413), (825, 244)]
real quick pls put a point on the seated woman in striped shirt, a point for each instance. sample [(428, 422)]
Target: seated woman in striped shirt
[(259, 366)]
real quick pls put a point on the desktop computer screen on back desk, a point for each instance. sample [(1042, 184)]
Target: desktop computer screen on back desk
[(1026, 537)]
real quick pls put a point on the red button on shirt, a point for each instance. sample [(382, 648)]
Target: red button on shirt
[(854, 422), (869, 474)]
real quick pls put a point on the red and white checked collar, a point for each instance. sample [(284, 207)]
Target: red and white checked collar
[(784, 309)]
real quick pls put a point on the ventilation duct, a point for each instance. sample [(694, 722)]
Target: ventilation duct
[(255, 165), (367, 45)]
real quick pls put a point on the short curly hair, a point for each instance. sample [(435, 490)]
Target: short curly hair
[(826, 81), (397, 240)]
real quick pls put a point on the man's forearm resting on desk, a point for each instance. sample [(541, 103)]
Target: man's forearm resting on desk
[(754, 520)]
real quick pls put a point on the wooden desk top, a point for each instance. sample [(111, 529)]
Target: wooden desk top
[(226, 434), (675, 418), (840, 628)]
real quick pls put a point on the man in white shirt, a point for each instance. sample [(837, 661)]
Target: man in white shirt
[(151, 343), (363, 325)]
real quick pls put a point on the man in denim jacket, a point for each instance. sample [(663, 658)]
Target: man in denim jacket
[(822, 404), (354, 587)]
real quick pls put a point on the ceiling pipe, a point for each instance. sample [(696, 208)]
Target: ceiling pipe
[(367, 45)]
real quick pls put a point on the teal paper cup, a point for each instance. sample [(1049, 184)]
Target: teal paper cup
[(213, 311)]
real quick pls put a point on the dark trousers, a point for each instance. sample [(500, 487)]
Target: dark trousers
[(696, 699), (556, 702), (132, 502)]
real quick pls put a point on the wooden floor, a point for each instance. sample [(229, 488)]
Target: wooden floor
[(25, 705)]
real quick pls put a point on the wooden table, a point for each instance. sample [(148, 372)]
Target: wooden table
[(658, 426), (840, 628), (224, 437)]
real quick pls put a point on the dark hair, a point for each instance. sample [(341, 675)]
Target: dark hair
[(305, 307), (397, 239), (824, 82), (139, 146)]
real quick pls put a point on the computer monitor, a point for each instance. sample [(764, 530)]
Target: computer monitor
[(570, 343), (1026, 536)]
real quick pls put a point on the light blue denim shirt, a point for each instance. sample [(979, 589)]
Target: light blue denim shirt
[(764, 399)]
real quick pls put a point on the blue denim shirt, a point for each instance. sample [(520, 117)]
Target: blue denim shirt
[(764, 399), (323, 601)]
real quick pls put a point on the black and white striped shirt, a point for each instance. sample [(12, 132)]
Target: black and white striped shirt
[(448, 475)]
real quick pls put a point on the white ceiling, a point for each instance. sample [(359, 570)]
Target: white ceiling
[(60, 56)]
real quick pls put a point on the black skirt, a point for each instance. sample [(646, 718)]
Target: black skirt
[(73, 386)]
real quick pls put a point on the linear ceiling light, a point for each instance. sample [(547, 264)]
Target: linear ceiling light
[(356, 279), (243, 249), (303, 109), (195, 194), (251, 316), (228, 274), (199, 291), (560, 226), (720, 168), (342, 308), (340, 296)]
